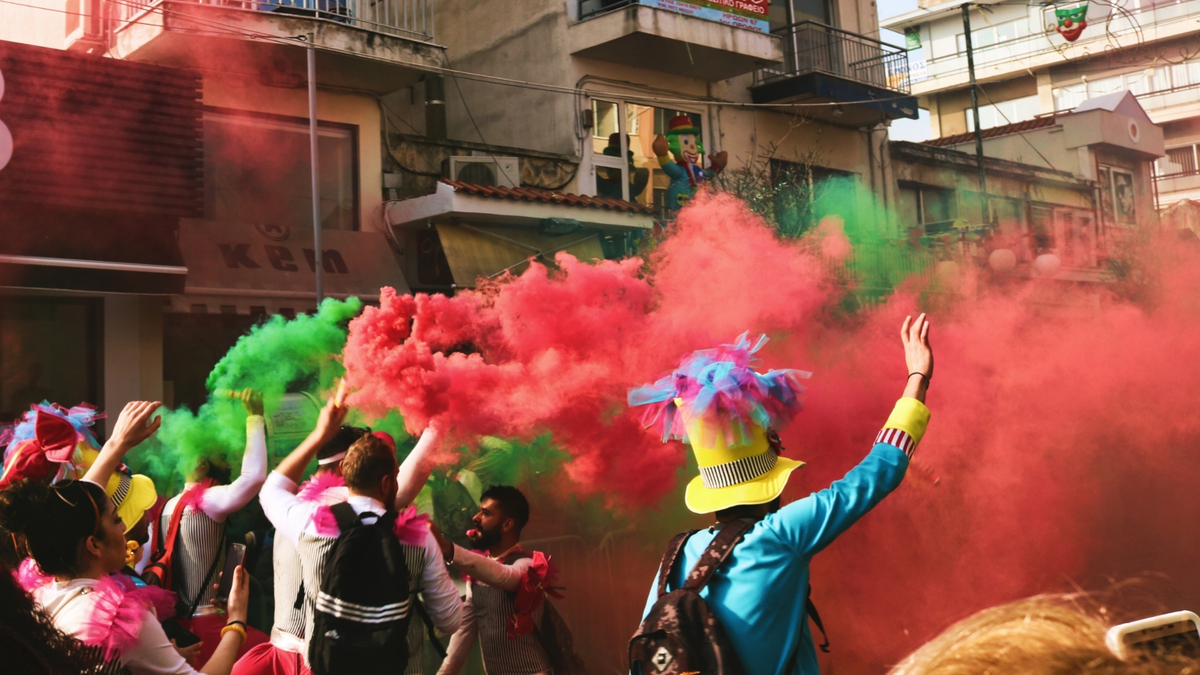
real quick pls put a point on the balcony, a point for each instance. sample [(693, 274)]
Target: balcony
[(705, 44), (374, 45), (826, 64)]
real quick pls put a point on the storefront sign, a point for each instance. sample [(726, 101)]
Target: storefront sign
[(280, 261), (749, 14)]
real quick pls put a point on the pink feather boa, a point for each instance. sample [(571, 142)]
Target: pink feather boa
[(536, 584), (317, 489), (411, 527), (118, 608)]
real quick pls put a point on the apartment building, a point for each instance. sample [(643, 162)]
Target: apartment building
[(1027, 70)]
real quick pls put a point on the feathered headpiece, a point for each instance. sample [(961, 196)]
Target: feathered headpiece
[(48, 433), (719, 387)]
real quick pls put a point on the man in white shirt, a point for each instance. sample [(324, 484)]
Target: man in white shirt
[(373, 480)]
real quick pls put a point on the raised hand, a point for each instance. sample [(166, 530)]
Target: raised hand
[(252, 400), (918, 356), (133, 426)]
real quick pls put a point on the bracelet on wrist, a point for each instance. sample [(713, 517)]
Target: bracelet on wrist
[(235, 627), (927, 378)]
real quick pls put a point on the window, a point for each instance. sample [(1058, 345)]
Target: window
[(1117, 196), (605, 115), (645, 177), (256, 170), (997, 34), (50, 351), (1004, 112), (922, 205), (1068, 97), (1075, 237), (1184, 160)]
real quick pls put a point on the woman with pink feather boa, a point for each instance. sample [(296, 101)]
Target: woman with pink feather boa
[(77, 546)]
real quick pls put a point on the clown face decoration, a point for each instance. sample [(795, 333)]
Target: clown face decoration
[(1071, 22)]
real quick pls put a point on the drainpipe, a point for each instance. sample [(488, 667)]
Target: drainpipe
[(983, 205), (435, 107)]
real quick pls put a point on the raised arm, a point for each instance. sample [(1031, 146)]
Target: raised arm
[(329, 420), (415, 469), (133, 426), (812, 523), (220, 501)]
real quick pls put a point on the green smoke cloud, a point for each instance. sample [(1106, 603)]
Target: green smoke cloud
[(294, 363)]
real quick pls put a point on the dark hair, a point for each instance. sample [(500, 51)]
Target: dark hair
[(31, 642), (367, 461), (54, 521), (748, 510), (342, 441), (512, 502)]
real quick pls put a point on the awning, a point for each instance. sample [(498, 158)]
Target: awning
[(236, 267), (63, 249), (475, 251)]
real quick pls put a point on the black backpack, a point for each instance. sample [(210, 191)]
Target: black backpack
[(363, 609), (681, 634)]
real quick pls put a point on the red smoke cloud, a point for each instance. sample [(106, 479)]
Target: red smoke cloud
[(1065, 420)]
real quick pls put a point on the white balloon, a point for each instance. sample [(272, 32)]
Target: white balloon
[(6, 145), (1002, 260), (1046, 265)]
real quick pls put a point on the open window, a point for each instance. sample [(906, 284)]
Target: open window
[(629, 129)]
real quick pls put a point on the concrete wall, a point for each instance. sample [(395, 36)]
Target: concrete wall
[(133, 350), (952, 107), (43, 24)]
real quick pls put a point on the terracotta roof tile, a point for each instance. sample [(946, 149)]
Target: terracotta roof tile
[(548, 197), (1028, 125)]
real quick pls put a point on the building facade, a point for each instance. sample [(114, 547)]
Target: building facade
[(1026, 69)]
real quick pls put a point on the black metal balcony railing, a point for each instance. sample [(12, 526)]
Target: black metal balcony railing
[(810, 47), (411, 19)]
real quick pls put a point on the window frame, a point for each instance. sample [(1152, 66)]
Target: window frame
[(355, 159), (597, 160)]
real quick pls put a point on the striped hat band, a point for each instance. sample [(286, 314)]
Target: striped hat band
[(738, 471), (122, 491)]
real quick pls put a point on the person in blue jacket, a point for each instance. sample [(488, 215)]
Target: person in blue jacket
[(759, 594)]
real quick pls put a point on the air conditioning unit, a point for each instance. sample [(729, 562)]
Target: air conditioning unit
[(498, 171)]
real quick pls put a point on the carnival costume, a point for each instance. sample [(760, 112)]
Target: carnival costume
[(725, 411), (52, 444), (112, 616), (308, 525)]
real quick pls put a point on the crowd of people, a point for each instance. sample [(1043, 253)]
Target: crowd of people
[(361, 579)]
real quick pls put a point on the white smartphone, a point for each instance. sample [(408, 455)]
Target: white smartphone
[(1177, 633)]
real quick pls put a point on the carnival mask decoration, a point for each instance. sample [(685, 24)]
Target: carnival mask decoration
[(686, 169), (1071, 22)]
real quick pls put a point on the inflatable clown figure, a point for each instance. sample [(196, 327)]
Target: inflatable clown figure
[(52, 444), (686, 171)]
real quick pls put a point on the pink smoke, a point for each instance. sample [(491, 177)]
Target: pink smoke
[(1065, 420)]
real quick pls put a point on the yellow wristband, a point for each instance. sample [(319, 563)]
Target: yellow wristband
[(910, 416), (236, 628)]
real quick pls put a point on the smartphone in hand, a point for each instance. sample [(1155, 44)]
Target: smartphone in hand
[(234, 557)]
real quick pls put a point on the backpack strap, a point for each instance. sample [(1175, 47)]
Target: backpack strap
[(716, 553), (430, 630), (345, 516), (811, 609), (164, 562), (669, 558)]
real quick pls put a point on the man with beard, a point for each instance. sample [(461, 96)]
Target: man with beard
[(506, 588)]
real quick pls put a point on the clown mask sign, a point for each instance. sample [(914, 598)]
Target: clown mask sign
[(686, 171), (1071, 22)]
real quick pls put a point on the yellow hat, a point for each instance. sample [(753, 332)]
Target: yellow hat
[(130, 494), (748, 473)]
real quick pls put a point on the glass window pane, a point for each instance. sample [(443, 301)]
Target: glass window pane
[(604, 116), (816, 10), (1006, 31), (962, 42), (49, 352), (906, 199), (1161, 80), (256, 170)]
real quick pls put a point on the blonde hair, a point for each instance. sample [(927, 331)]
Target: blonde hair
[(1042, 635)]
